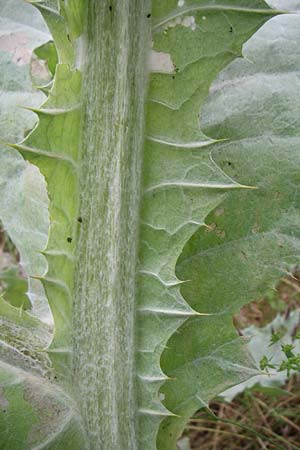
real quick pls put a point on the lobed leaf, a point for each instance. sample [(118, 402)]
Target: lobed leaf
[(35, 412), (218, 214), (251, 239), (182, 185), (23, 196)]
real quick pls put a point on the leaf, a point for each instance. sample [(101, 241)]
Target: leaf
[(36, 414), (252, 237), (53, 147), (33, 411), (182, 184), (188, 350), (14, 287), (48, 53), (27, 401), (23, 197), (23, 337)]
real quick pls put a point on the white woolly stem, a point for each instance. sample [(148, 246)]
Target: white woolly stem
[(117, 40)]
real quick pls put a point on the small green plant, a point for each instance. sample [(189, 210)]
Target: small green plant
[(265, 363), (291, 361)]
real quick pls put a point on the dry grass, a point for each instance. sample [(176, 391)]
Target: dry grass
[(254, 420)]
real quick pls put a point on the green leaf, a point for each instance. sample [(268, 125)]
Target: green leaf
[(182, 184), (218, 220), (33, 411), (252, 237), (23, 337), (35, 414), (23, 197), (14, 287), (48, 53), (53, 147)]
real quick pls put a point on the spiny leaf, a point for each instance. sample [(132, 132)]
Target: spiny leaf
[(182, 184), (184, 333), (53, 147), (253, 237), (48, 52), (33, 411), (23, 197)]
